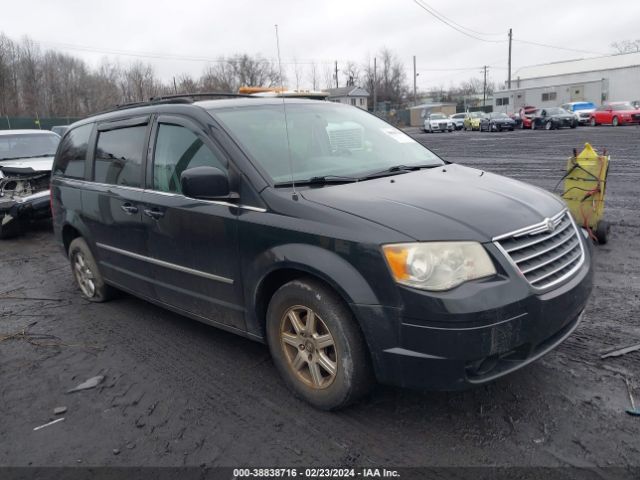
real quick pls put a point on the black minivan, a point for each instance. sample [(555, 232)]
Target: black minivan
[(353, 251)]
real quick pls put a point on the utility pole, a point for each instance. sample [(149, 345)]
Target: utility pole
[(509, 73), (415, 75), (484, 87), (375, 85), (175, 87), (337, 74)]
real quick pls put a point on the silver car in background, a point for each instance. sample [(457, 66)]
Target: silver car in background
[(26, 157)]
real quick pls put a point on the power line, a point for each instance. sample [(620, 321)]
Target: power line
[(161, 56), (427, 9), (433, 11), (558, 47), (448, 69), (465, 31)]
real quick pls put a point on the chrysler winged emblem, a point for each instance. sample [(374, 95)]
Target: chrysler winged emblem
[(549, 224)]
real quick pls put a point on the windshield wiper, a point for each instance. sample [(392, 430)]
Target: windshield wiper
[(28, 156), (396, 169), (320, 180)]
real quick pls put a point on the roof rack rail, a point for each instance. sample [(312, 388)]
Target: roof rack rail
[(175, 98), (198, 95)]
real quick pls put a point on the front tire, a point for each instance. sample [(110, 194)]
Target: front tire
[(615, 122), (593, 122), (317, 346), (548, 126), (86, 273), (533, 125)]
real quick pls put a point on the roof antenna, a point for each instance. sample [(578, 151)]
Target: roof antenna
[(286, 123)]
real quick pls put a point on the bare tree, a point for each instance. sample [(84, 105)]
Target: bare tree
[(351, 72), (626, 46), (314, 76), (52, 83), (186, 84), (328, 78), (297, 72), (229, 74), (390, 79)]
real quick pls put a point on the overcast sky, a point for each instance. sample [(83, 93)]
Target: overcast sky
[(324, 31)]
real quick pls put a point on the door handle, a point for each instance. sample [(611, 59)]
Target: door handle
[(154, 213), (129, 209)]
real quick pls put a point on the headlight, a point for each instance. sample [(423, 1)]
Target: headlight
[(437, 266)]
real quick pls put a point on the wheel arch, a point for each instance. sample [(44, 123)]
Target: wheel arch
[(69, 234), (302, 261)]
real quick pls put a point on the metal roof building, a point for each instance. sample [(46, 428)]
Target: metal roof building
[(598, 80)]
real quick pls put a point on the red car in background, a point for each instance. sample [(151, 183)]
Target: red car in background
[(615, 113), (524, 116)]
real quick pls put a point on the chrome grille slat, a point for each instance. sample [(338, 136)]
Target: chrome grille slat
[(552, 259), (556, 270), (546, 250), (556, 232), (545, 256)]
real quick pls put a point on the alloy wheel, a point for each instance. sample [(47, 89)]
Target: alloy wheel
[(84, 275), (309, 347)]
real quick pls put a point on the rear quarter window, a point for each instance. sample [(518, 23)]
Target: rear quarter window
[(72, 153)]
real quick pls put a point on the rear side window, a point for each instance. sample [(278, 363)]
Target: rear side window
[(119, 156), (178, 148), (73, 153)]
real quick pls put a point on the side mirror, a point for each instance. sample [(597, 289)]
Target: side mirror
[(208, 183)]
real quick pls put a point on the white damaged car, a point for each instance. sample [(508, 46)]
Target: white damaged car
[(438, 122), (26, 158)]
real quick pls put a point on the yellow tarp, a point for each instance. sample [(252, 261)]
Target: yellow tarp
[(584, 186)]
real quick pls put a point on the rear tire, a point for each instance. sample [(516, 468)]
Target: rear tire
[(533, 125), (593, 122), (317, 346), (86, 273)]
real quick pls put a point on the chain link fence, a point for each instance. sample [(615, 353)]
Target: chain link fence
[(14, 123)]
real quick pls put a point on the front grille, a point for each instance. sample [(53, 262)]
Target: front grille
[(545, 256)]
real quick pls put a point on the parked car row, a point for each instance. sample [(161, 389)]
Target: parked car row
[(568, 115)]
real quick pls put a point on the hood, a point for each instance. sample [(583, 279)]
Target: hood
[(27, 165), (445, 203)]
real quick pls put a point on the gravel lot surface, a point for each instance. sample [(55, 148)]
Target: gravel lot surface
[(177, 392)]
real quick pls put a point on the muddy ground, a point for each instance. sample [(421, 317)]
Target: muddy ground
[(181, 393)]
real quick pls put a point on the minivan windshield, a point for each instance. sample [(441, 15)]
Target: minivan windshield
[(325, 140), (28, 145)]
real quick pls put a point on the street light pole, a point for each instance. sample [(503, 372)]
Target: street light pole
[(415, 76), (509, 73)]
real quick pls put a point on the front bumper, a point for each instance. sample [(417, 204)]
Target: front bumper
[(503, 126), (440, 127), (32, 207), (473, 334)]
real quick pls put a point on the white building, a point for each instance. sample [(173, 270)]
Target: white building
[(355, 96), (600, 79)]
